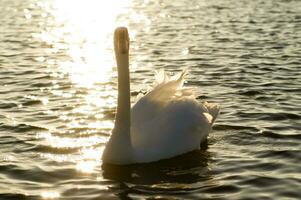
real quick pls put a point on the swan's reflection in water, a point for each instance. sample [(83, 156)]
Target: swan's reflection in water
[(178, 175)]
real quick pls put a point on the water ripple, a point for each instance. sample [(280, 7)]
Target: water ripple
[(58, 97)]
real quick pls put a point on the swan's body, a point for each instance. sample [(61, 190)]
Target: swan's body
[(166, 122)]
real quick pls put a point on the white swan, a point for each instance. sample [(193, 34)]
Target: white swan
[(166, 122)]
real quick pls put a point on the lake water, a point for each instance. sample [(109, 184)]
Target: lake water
[(58, 97)]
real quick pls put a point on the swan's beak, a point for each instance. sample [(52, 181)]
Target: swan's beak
[(121, 40)]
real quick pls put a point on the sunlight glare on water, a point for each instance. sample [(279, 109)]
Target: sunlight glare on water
[(50, 195), (83, 30), (59, 93), (86, 28)]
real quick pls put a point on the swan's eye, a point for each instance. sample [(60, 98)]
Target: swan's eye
[(121, 40)]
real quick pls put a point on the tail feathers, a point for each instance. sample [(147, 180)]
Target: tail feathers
[(169, 88), (213, 110)]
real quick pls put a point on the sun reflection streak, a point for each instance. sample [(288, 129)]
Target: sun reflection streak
[(50, 195), (62, 142), (90, 160), (80, 39), (86, 30), (83, 30), (86, 166)]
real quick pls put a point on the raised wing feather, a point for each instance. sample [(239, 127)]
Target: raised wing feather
[(168, 120)]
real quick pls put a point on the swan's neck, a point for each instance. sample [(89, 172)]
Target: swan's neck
[(123, 115), (119, 148)]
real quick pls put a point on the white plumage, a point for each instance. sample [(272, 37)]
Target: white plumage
[(166, 122)]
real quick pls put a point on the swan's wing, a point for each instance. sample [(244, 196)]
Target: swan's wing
[(169, 88), (166, 89), (168, 119), (178, 128)]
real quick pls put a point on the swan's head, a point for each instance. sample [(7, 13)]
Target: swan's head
[(121, 40)]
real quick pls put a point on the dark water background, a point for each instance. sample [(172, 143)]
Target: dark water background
[(58, 94)]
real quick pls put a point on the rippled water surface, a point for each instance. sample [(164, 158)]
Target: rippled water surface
[(58, 97)]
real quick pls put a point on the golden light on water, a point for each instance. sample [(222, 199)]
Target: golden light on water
[(65, 142), (91, 159), (50, 195), (89, 25), (80, 38), (83, 29), (59, 96)]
